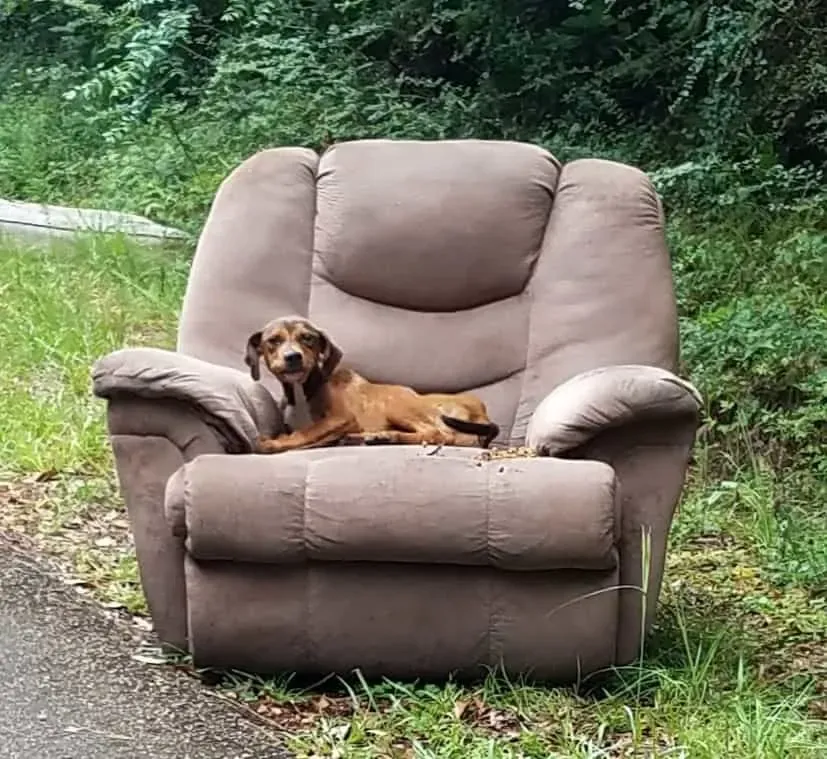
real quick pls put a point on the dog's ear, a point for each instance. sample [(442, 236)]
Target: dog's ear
[(329, 356), (252, 356)]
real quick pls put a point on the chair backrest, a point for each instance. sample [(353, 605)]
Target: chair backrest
[(446, 265)]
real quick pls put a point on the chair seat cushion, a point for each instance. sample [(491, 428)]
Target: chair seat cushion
[(397, 504)]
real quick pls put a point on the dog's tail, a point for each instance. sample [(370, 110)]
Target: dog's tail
[(487, 430)]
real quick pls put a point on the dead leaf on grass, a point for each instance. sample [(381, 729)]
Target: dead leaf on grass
[(477, 713), (645, 746), (295, 715), (340, 732), (459, 708)]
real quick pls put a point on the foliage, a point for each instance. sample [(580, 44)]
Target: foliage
[(754, 316), (719, 77)]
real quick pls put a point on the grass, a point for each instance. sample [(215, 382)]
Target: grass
[(61, 307), (737, 663)]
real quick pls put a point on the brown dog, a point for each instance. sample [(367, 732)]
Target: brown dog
[(343, 406)]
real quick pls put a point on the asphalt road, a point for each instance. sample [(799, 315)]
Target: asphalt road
[(69, 688)]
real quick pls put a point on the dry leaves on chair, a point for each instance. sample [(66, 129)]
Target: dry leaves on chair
[(517, 452)]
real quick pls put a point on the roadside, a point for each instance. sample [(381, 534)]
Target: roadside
[(70, 689)]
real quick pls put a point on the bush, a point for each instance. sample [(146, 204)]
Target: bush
[(753, 320), (725, 80)]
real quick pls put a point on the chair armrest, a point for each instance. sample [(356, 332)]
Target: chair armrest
[(642, 421), (165, 409), (237, 408), (612, 396)]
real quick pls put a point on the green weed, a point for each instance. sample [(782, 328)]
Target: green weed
[(62, 307)]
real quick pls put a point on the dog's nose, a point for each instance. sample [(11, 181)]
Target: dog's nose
[(293, 360)]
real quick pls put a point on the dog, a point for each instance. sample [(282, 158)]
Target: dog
[(342, 407)]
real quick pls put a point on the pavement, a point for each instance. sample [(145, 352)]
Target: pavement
[(69, 688)]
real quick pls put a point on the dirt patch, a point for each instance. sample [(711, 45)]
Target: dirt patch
[(78, 522)]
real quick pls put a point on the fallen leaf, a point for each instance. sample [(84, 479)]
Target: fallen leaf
[(143, 623), (340, 732), (459, 708), (149, 658)]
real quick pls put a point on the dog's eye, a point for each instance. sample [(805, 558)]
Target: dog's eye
[(307, 339), (275, 341)]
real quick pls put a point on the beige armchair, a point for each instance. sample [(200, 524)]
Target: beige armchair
[(455, 265)]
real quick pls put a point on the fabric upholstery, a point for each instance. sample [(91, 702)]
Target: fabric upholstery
[(228, 399), (401, 620), (370, 504), (151, 439), (406, 256), (253, 256), (144, 465), (601, 292), (589, 234), (650, 459), (594, 401), (455, 265)]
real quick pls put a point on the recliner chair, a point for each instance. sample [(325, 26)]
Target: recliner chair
[(448, 266)]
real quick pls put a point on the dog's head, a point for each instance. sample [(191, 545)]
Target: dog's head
[(292, 348)]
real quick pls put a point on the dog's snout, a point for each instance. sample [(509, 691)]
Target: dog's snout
[(293, 360)]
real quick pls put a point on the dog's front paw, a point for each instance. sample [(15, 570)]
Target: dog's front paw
[(376, 438), (269, 445), (352, 439)]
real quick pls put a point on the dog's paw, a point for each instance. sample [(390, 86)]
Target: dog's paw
[(375, 438), (268, 445), (260, 445), (353, 439)]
